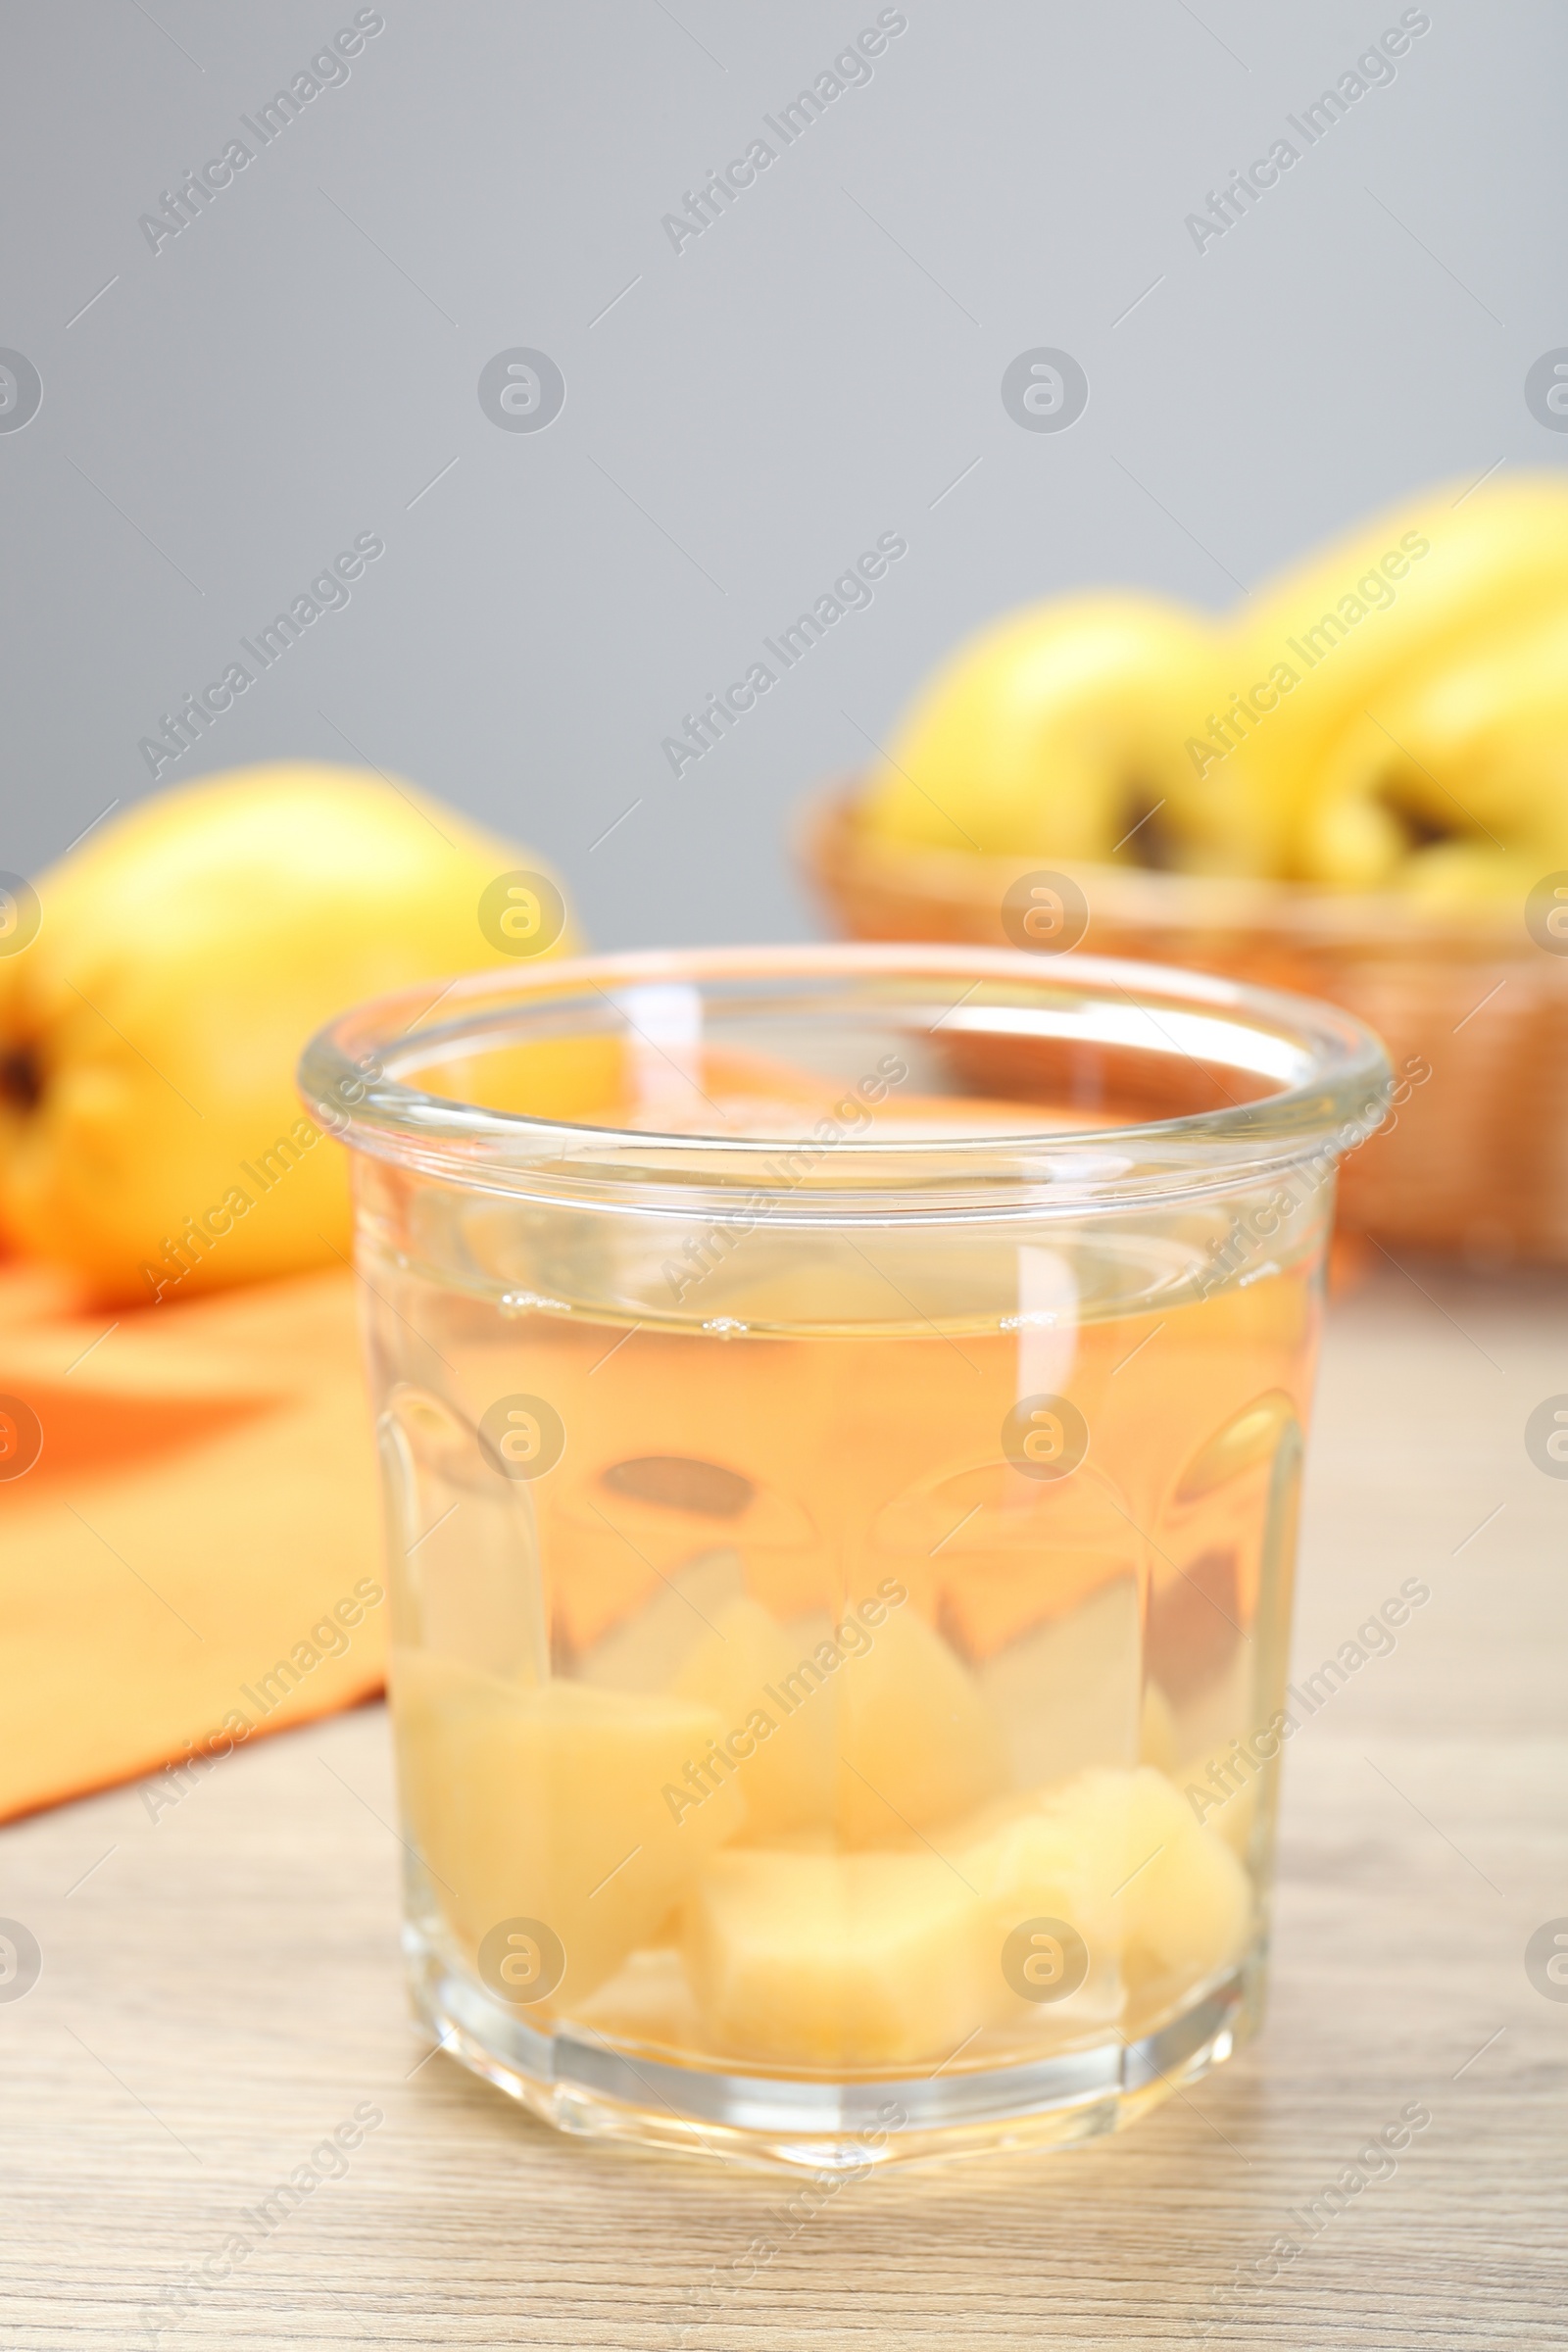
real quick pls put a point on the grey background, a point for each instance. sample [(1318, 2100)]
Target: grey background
[(819, 366)]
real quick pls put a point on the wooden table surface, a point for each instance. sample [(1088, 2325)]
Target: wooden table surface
[(220, 1988)]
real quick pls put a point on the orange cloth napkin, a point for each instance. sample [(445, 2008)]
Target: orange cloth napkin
[(195, 1557)]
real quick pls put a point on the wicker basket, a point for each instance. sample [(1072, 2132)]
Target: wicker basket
[(1474, 1160)]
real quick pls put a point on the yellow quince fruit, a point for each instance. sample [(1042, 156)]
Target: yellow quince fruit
[(1062, 731), (1396, 601), (155, 999), (1453, 785)]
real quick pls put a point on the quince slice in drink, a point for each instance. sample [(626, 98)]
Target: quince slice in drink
[(546, 1802), (822, 1959), (1184, 1899), (741, 1670), (1119, 1856), (917, 1741), (872, 1728)]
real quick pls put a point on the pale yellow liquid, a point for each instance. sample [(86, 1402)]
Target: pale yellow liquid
[(808, 1448)]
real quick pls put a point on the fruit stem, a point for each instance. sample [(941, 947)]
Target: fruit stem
[(20, 1079)]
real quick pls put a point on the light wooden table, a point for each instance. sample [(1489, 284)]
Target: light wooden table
[(220, 1988)]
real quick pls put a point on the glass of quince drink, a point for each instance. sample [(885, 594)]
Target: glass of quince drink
[(842, 1414)]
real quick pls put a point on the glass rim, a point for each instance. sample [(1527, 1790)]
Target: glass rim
[(1331, 1090)]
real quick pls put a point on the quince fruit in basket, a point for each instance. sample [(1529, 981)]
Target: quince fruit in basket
[(1420, 747), (1390, 714), (150, 1136), (1453, 785), (1061, 730)]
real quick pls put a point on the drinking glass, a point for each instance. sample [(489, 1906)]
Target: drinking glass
[(841, 1413)]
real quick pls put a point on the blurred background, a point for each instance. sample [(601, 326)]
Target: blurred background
[(746, 408)]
